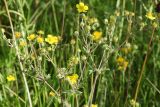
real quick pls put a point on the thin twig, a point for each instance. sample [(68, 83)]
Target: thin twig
[(143, 66)]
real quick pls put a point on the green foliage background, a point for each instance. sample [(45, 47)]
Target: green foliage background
[(113, 88)]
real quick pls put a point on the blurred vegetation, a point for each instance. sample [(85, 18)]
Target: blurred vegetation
[(126, 33)]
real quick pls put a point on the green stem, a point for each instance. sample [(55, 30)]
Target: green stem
[(17, 53), (92, 91), (55, 17)]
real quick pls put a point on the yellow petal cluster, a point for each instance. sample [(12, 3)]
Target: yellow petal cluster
[(122, 63), (92, 105), (150, 16), (72, 79), (40, 39), (31, 37), (11, 78), (22, 43), (81, 7), (52, 93), (120, 60), (52, 39), (96, 35), (18, 35)]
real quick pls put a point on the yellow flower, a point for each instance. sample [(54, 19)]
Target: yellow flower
[(40, 39), (122, 63), (150, 16), (18, 35), (120, 60), (22, 43), (52, 93), (123, 66), (72, 79), (96, 36), (11, 78), (31, 37), (52, 39), (40, 32), (81, 7), (92, 105)]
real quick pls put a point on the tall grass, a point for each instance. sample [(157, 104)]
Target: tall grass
[(119, 69)]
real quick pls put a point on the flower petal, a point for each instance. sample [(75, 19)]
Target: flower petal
[(86, 7)]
